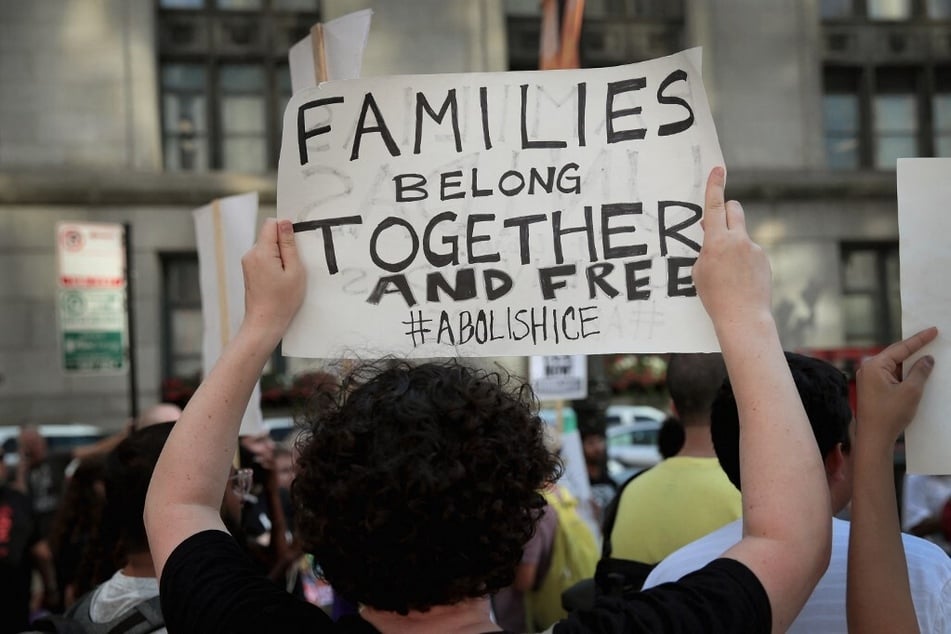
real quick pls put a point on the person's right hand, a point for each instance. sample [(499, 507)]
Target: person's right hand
[(274, 279), (886, 403), (732, 273)]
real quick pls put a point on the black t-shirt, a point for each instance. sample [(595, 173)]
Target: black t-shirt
[(209, 585), (18, 533), (722, 597)]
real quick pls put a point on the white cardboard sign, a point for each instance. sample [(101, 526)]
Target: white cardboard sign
[(924, 189), (521, 213), (345, 39), (224, 231)]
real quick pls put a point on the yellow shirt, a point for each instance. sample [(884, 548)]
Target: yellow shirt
[(679, 500)]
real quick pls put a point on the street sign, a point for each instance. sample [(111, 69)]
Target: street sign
[(91, 297)]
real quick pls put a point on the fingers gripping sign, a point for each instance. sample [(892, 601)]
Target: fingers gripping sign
[(886, 402), (274, 278), (732, 273)]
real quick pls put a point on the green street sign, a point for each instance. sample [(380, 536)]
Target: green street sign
[(93, 350)]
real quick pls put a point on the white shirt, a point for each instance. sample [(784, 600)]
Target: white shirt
[(118, 594), (929, 571), (924, 497)]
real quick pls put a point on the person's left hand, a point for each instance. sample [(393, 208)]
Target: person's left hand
[(274, 279), (886, 403)]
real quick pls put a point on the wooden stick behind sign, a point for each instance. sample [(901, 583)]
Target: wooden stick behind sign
[(224, 319), (319, 47)]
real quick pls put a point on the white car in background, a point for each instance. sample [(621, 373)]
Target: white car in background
[(626, 414), (58, 438), (631, 438)]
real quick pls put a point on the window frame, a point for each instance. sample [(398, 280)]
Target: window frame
[(884, 330), (269, 53)]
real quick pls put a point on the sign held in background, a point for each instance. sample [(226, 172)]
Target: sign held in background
[(559, 377), (331, 51), (924, 189), (224, 231)]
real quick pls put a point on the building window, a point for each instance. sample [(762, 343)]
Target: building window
[(873, 116), (889, 9), (939, 9), (870, 293), (225, 81), (613, 31), (182, 323), (842, 119), (832, 9), (895, 117), (183, 329), (883, 10)]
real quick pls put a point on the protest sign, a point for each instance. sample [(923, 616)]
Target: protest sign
[(496, 214), (924, 189), (330, 51), (91, 293), (559, 377), (224, 231)]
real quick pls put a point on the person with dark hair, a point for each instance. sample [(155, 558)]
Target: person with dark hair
[(687, 495), (20, 551), (670, 438), (595, 449), (880, 586), (825, 396), (74, 525), (123, 565), (418, 486)]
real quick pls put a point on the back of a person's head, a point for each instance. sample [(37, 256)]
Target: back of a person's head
[(825, 397), (417, 486), (127, 474), (670, 438), (158, 413), (693, 380)]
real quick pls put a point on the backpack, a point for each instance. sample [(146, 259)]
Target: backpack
[(145, 616), (612, 577), (618, 577), (574, 555)]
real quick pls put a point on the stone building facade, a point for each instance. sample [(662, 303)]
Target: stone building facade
[(812, 100)]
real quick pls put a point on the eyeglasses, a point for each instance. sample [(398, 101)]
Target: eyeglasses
[(241, 482)]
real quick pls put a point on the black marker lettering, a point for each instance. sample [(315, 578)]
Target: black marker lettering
[(526, 144), (449, 105), (325, 225), (675, 231), (375, 255), (418, 186), (678, 286), (369, 103), (302, 133), (635, 283), (673, 128), (615, 88), (465, 286), (612, 210), (547, 282), (441, 259), (400, 285), (587, 228), (472, 238)]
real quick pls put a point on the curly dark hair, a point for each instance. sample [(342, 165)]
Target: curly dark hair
[(825, 397), (417, 485)]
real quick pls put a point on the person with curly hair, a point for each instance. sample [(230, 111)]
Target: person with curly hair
[(418, 486)]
